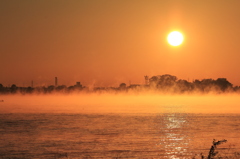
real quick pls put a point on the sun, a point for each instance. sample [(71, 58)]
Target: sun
[(175, 38)]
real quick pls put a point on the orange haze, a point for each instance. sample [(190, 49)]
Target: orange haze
[(105, 43)]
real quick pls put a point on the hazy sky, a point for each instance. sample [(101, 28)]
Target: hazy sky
[(106, 42)]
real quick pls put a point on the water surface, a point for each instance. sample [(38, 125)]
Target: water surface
[(170, 135)]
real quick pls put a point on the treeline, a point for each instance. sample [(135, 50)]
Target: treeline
[(169, 83), (41, 90), (161, 83)]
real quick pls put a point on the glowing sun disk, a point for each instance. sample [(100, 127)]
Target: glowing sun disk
[(175, 38)]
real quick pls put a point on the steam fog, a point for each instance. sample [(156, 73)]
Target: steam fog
[(120, 103)]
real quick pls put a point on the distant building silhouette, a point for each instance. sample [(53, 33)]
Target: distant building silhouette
[(56, 82), (146, 80)]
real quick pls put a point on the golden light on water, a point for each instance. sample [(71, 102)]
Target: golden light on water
[(173, 140), (175, 38)]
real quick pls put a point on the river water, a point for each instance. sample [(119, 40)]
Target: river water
[(118, 126), (166, 135)]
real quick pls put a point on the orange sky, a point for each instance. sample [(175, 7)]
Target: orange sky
[(105, 42)]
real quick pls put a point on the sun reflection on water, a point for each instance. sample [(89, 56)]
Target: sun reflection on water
[(172, 139)]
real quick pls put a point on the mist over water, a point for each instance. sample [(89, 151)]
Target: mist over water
[(120, 103), (127, 125)]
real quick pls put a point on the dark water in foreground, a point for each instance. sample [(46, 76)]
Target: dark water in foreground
[(115, 135)]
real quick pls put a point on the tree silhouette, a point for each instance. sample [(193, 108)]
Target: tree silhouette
[(223, 83), (13, 88), (183, 86), (163, 81), (122, 86)]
